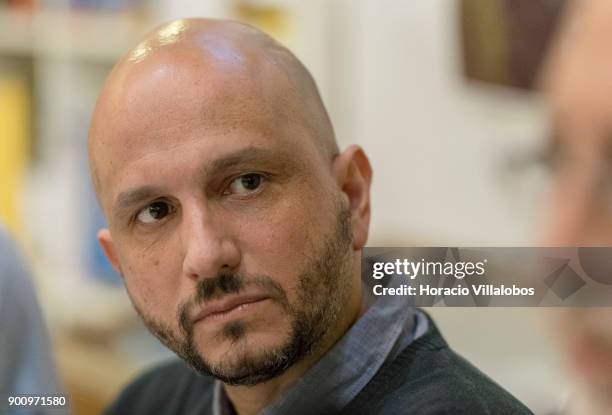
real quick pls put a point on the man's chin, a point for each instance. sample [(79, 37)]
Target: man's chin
[(240, 340), (248, 363)]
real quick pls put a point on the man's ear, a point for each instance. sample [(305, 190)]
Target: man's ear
[(354, 175), (106, 242)]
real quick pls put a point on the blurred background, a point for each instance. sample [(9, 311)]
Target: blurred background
[(438, 92)]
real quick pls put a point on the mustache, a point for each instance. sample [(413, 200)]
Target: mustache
[(213, 288), (209, 289)]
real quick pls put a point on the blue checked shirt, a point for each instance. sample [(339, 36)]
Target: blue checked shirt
[(383, 331), (26, 365)]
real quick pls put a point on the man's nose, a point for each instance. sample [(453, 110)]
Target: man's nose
[(208, 246)]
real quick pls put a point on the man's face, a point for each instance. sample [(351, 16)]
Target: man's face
[(231, 235), (579, 212), (578, 85)]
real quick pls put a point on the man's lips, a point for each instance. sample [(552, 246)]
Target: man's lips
[(224, 307)]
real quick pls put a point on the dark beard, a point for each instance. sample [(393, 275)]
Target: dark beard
[(323, 287)]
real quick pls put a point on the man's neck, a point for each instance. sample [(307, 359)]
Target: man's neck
[(249, 400)]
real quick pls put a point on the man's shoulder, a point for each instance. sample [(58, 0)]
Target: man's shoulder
[(169, 388), (442, 382), (429, 378)]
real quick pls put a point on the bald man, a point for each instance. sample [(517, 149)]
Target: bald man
[(237, 226)]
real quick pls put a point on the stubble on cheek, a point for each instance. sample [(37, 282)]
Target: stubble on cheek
[(171, 337), (168, 336)]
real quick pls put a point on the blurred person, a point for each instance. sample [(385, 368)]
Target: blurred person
[(577, 82), (26, 363), (238, 225)]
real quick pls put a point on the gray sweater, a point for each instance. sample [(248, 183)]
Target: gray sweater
[(426, 378)]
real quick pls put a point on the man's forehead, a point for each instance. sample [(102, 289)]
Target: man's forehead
[(183, 79), (577, 76), (173, 99), (146, 118), (182, 146)]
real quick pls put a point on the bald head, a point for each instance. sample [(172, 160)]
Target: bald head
[(211, 73)]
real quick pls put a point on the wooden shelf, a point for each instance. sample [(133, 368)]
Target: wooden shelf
[(93, 376), (81, 34)]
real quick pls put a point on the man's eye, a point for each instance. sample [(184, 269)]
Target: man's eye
[(245, 184), (154, 212)]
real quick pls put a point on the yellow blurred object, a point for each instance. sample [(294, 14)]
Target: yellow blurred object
[(14, 145), (270, 18)]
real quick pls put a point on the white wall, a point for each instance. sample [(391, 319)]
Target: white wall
[(434, 142)]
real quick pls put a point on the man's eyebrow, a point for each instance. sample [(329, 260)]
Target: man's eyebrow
[(278, 159), (132, 197)]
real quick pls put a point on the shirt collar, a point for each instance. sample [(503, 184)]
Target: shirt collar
[(383, 330)]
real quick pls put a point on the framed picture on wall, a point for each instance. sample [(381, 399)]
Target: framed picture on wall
[(503, 42)]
